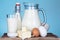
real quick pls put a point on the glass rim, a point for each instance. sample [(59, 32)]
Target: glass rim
[(10, 15), (30, 4)]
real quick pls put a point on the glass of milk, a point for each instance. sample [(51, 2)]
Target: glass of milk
[(12, 23)]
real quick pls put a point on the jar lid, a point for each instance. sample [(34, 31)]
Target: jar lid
[(17, 4)]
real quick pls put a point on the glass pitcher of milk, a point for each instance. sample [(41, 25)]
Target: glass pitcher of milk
[(31, 18)]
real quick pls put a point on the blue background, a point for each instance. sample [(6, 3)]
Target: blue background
[(51, 7)]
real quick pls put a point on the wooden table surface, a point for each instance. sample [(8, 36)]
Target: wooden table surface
[(50, 36), (45, 38), (6, 38), (38, 38)]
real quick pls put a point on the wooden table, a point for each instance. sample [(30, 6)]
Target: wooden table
[(39, 38), (50, 36), (45, 38), (6, 38)]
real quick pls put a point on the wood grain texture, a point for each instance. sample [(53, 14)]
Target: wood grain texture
[(37, 38), (10, 38), (43, 38)]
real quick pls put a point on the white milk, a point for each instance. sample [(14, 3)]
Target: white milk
[(12, 26), (18, 17)]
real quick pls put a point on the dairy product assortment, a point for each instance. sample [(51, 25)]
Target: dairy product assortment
[(29, 26)]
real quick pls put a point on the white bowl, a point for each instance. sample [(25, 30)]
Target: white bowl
[(43, 31), (12, 35)]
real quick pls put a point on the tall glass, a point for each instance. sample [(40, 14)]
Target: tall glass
[(12, 23)]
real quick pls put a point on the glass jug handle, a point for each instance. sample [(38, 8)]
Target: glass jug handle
[(44, 17)]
